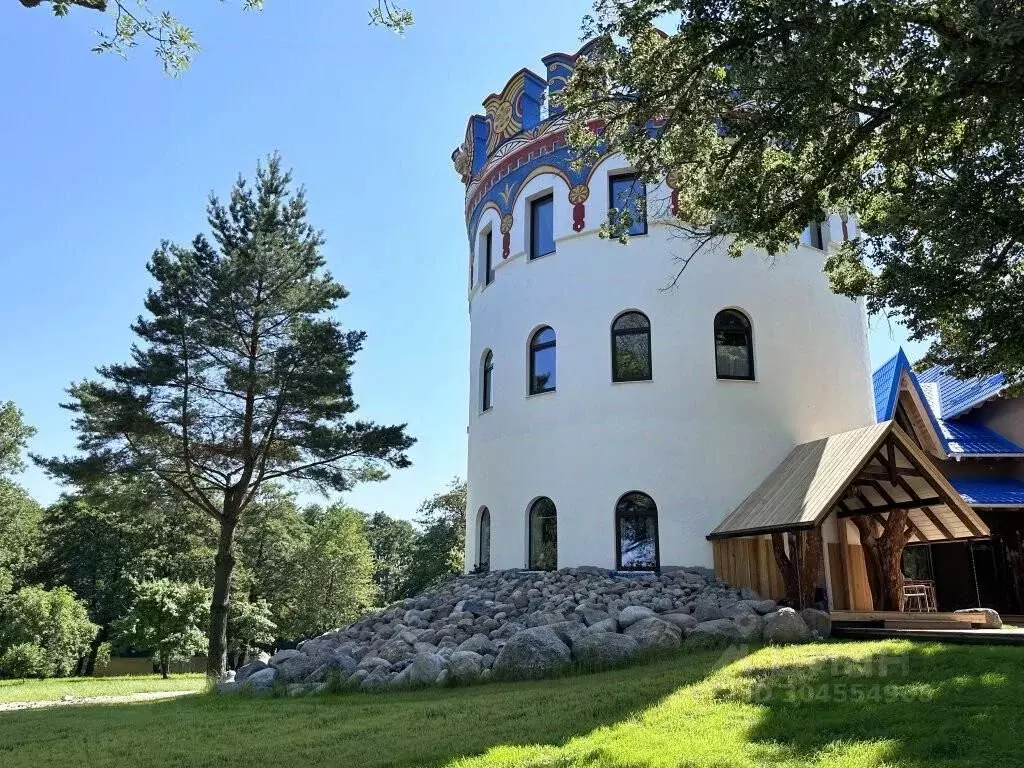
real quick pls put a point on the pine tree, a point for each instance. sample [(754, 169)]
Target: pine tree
[(240, 376)]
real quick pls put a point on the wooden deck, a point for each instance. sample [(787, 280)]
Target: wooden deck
[(909, 619), (942, 627)]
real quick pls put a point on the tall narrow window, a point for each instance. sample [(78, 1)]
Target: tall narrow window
[(543, 535), (628, 195), (489, 257), (542, 227), (734, 347), (636, 533), (483, 560), (631, 347), (486, 382), (542, 361)]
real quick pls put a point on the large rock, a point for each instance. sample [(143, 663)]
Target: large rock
[(655, 634), (426, 668), (714, 633), (478, 643), (684, 621), (632, 614), (568, 631), (604, 649), (750, 627), (298, 668), (282, 656), (992, 618), (465, 666), (261, 681), (249, 669), (607, 625), (532, 653), (707, 609), (819, 622), (785, 626)]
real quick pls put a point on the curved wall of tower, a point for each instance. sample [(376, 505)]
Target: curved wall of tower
[(693, 442)]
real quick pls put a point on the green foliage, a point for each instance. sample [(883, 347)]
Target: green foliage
[(172, 41), (771, 114), (439, 551), (19, 513), (20, 518), (270, 539), (167, 618), (392, 542), (335, 583), (14, 437), (25, 660), (53, 621), (250, 625)]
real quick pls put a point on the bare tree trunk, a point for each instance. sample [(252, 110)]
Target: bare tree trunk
[(787, 567), (883, 547), (224, 566), (94, 649)]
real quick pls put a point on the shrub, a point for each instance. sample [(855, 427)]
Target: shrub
[(25, 660), (54, 621)]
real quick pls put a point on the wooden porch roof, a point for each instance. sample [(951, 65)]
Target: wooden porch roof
[(868, 471)]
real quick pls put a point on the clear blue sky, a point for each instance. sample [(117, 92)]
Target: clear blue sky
[(101, 159)]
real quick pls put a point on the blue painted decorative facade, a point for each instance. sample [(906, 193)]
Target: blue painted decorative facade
[(514, 140)]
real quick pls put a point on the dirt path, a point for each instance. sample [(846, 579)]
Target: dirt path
[(71, 701)]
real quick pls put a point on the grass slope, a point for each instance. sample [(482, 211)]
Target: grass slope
[(52, 690), (835, 705)]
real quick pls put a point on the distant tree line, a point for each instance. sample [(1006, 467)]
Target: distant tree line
[(124, 567)]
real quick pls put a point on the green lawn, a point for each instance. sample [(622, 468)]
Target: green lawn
[(52, 690), (849, 705)]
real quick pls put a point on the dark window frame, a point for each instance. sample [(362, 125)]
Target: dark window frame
[(634, 179), (487, 383), (529, 533), (548, 198), (749, 328), (817, 235), (489, 257), (618, 541), (536, 347), (618, 332), (484, 512)]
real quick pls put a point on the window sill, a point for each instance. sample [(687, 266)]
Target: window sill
[(736, 380), (633, 381), (541, 394), (540, 256)]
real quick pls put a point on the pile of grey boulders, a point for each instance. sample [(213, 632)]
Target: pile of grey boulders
[(521, 624)]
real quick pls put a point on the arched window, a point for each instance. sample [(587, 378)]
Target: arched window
[(631, 347), (483, 550), (542, 361), (636, 533), (543, 535), (734, 346), (486, 382)]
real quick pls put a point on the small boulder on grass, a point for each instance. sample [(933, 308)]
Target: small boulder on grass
[(819, 622), (604, 649), (532, 653), (715, 633), (785, 626), (655, 634)]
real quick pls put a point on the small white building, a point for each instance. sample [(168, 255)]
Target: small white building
[(614, 421)]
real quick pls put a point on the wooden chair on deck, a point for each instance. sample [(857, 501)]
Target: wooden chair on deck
[(919, 596)]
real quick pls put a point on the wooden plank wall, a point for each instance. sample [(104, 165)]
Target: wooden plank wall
[(749, 562), (858, 589)]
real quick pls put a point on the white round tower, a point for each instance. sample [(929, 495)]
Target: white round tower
[(612, 422)]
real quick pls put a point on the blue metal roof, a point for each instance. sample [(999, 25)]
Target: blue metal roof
[(944, 397), (962, 438), (886, 383), (990, 492), (957, 396)]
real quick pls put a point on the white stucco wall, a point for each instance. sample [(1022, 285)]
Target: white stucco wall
[(695, 444)]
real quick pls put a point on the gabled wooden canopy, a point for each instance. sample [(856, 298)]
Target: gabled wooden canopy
[(870, 471)]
